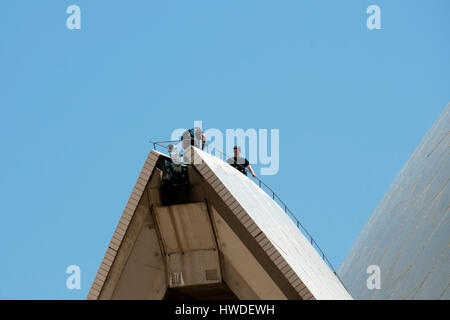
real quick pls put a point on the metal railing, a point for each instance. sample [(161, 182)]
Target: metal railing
[(274, 196)]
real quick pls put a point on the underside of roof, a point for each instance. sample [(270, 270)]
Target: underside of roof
[(215, 236)]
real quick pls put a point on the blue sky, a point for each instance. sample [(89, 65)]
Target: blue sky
[(79, 106)]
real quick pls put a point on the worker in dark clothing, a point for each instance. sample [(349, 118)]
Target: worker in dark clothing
[(192, 137), (240, 163)]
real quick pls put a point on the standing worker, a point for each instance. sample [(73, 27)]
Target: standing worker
[(192, 137), (240, 163)]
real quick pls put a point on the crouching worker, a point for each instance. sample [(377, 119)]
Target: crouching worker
[(240, 163), (192, 137)]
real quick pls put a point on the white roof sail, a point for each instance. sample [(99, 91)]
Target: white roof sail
[(278, 228), (407, 236)]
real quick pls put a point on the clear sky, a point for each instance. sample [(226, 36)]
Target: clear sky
[(79, 106)]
